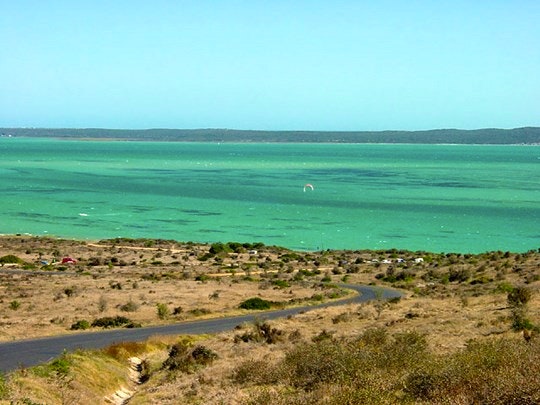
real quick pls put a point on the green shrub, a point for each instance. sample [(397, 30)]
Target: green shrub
[(217, 248), (203, 278), (14, 305), (11, 259), (163, 311), (114, 322), (59, 366), (203, 355), (520, 322), (281, 283), (504, 287), (255, 303), (80, 325)]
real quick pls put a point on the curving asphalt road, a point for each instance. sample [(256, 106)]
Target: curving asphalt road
[(26, 353)]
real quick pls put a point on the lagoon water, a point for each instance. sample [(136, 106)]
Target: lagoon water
[(441, 198)]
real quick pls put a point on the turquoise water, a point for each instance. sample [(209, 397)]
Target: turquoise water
[(440, 198)]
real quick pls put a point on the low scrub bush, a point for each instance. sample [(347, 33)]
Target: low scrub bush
[(203, 278), (80, 325), (256, 303), (255, 371), (14, 305), (59, 366), (519, 296), (11, 259), (70, 291), (114, 322), (281, 283), (377, 368), (261, 332), (163, 311), (343, 317), (186, 359)]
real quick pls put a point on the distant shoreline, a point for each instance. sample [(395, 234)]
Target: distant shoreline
[(488, 136), (267, 142)]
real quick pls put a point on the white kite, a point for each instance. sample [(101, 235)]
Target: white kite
[(308, 186)]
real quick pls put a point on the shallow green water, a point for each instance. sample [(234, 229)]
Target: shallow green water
[(441, 198)]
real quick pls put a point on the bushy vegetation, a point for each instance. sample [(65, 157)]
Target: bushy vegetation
[(14, 305), (256, 303), (380, 369), (260, 332), (518, 298), (163, 311), (80, 325), (11, 259), (184, 358), (451, 297), (114, 322)]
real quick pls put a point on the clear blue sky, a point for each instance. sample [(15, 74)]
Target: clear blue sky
[(275, 64)]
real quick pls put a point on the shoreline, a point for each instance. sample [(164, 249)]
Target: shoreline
[(239, 142), (108, 242)]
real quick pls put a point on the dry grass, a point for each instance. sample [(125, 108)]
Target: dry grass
[(51, 298), (450, 301)]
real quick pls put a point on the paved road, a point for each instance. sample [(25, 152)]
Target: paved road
[(26, 353)]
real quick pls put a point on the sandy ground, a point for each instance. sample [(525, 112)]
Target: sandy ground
[(42, 296)]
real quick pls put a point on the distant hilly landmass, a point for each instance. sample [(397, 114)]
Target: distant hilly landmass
[(526, 135)]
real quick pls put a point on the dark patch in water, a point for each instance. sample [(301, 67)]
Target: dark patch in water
[(161, 171), (176, 221), (32, 215), (346, 173), (201, 213), (141, 209), (449, 184), (130, 226), (331, 223)]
